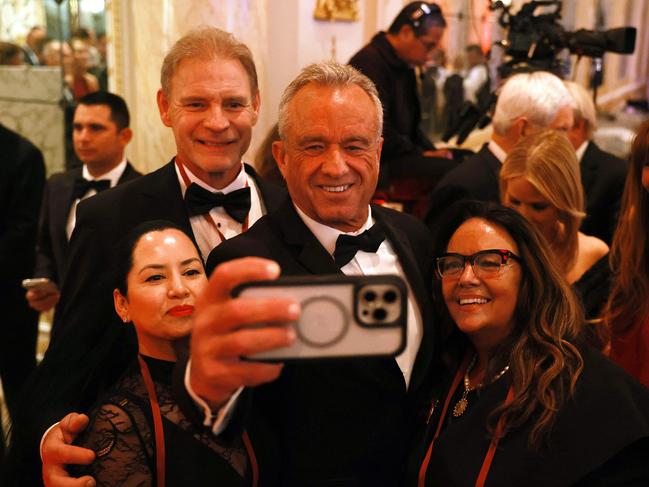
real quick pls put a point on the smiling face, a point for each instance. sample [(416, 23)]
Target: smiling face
[(211, 110), (163, 282), (482, 308), (523, 197), (330, 159), (98, 142)]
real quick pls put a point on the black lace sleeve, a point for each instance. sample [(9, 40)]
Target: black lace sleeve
[(122, 443)]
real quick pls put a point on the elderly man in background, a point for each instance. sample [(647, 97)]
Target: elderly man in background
[(602, 173), (527, 102)]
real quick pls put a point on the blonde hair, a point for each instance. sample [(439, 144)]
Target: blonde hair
[(547, 160), (628, 304), (207, 43)]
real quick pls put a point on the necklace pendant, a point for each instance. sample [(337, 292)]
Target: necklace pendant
[(460, 407)]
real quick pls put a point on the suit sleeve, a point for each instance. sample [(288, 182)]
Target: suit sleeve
[(45, 266), (18, 239), (87, 289)]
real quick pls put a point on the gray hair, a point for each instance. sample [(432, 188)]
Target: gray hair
[(537, 96), (333, 75), (207, 43), (584, 108)]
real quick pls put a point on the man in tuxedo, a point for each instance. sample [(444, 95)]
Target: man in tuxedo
[(100, 134), (389, 61), (527, 103), (341, 422), (210, 99), (33, 45), (602, 173), (22, 177)]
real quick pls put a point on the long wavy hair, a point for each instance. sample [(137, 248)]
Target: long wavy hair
[(628, 304), (541, 350), (547, 160)]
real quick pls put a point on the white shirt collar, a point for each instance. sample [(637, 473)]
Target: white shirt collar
[(327, 235), (239, 182), (497, 151), (113, 175), (580, 151)]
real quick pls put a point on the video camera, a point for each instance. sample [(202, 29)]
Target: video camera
[(533, 43)]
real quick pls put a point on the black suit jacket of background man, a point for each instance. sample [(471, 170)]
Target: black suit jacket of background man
[(52, 245), (474, 178), (603, 176), (342, 422)]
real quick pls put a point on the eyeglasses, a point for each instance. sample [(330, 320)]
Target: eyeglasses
[(486, 263)]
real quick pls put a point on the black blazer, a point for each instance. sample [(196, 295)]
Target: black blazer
[(52, 245), (341, 422), (22, 177), (474, 178), (603, 176), (86, 294)]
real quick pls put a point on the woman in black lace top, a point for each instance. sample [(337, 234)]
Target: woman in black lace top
[(137, 430)]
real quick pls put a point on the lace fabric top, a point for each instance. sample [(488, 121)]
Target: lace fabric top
[(122, 435)]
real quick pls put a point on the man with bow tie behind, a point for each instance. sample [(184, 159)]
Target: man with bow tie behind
[(209, 97), (100, 133), (341, 422)]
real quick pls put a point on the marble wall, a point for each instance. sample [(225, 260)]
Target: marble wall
[(29, 105)]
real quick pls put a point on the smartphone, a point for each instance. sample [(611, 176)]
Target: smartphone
[(341, 316), (40, 284)]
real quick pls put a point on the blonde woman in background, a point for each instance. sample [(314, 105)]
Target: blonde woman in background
[(540, 179)]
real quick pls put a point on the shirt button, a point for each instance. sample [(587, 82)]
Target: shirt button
[(218, 225)]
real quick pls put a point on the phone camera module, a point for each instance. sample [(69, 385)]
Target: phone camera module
[(379, 314), (369, 296), (390, 296)]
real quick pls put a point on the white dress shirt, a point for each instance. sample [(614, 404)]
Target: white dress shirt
[(582, 148), (207, 237), (497, 151), (113, 176)]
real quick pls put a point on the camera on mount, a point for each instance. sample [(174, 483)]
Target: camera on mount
[(534, 42)]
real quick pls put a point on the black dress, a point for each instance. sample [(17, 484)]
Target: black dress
[(122, 435), (593, 288), (600, 437)]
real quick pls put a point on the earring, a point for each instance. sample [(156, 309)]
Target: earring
[(126, 319)]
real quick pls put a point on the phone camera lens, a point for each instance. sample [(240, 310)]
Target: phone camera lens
[(369, 296), (390, 296), (379, 314)]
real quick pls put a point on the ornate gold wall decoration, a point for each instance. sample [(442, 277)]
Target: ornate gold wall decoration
[(346, 10)]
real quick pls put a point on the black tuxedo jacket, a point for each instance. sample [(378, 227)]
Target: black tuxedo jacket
[(475, 178), (52, 245), (86, 295), (603, 176), (342, 422)]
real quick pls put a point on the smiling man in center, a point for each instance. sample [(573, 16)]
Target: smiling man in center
[(343, 421)]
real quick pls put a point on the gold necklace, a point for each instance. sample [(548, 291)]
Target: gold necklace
[(462, 404)]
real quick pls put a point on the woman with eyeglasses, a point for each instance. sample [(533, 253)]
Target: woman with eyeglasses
[(515, 398), (628, 307), (541, 180)]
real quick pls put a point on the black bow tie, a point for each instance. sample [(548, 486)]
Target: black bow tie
[(200, 201), (82, 186), (347, 245)]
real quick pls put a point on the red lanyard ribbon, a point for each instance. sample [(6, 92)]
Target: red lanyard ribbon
[(486, 464)]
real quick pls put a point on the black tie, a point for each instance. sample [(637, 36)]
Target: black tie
[(347, 245), (200, 201), (82, 186)]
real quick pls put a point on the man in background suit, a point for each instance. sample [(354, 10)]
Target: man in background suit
[(100, 134), (527, 103), (343, 422), (210, 99), (34, 45), (22, 177), (602, 173)]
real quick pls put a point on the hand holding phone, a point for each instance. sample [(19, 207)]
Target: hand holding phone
[(42, 293)]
